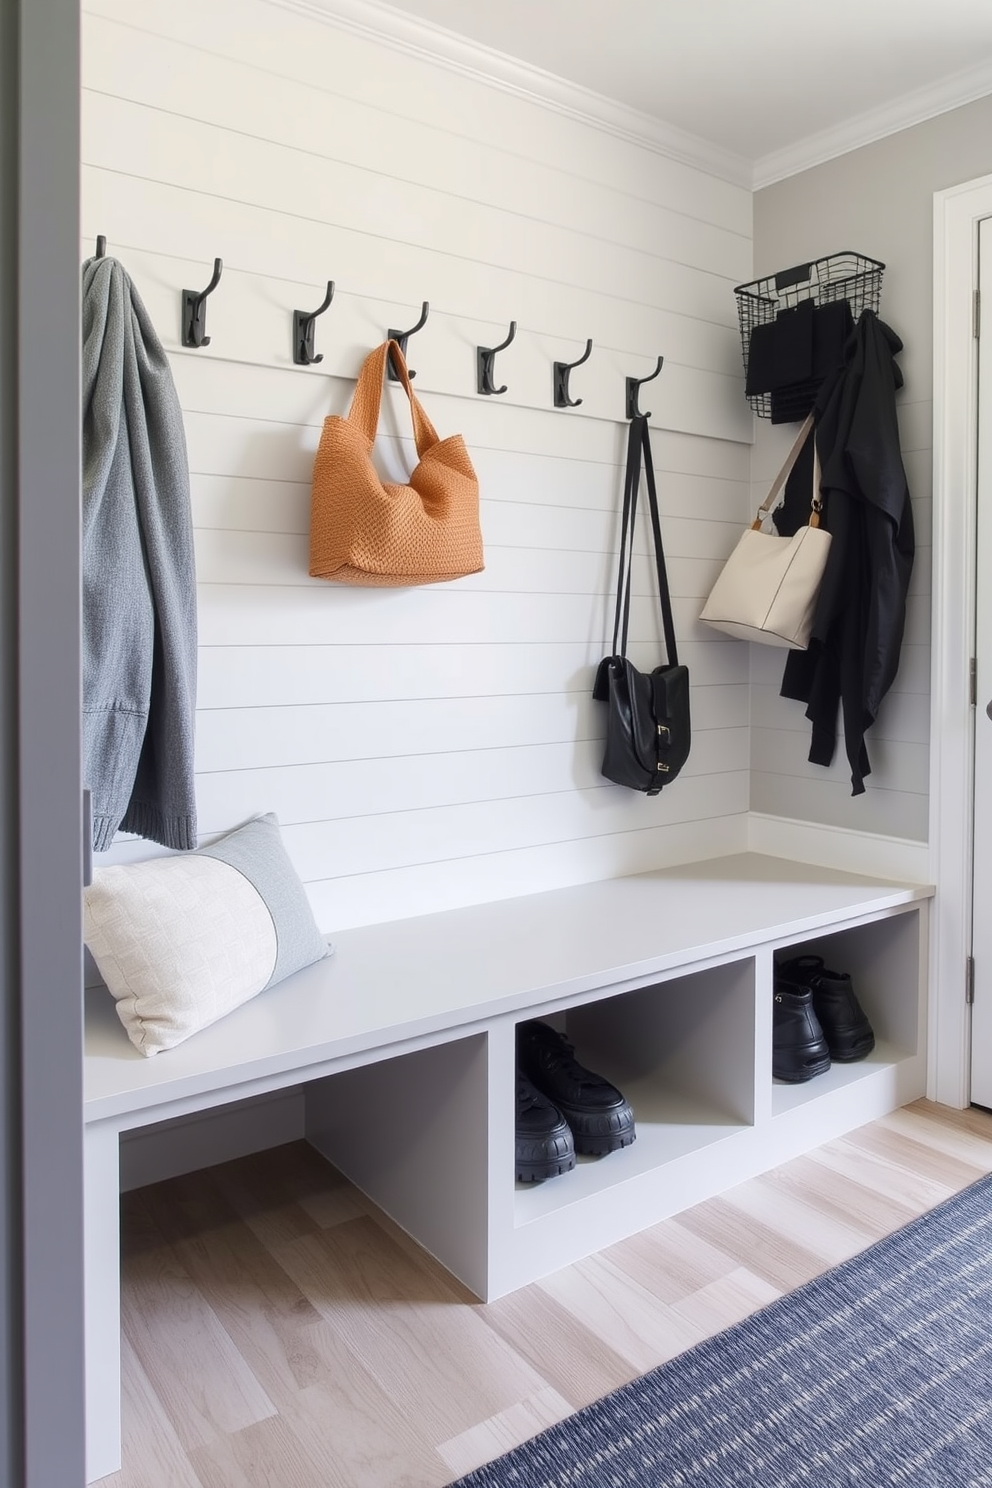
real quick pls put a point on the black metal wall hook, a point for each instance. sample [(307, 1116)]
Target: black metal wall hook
[(485, 362), (101, 247), (634, 385), (562, 369), (303, 321), (401, 337), (195, 310)]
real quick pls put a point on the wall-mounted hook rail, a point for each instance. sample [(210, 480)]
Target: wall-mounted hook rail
[(634, 384), (195, 310), (101, 247), (401, 337), (485, 363), (562, 369), (303, 321)]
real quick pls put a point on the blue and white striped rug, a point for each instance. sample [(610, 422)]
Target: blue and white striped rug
[(878, 1373)]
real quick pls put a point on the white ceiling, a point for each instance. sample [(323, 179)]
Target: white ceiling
[(756, 79)]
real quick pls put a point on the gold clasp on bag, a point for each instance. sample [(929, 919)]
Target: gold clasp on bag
[(816, 506), (662, 768)]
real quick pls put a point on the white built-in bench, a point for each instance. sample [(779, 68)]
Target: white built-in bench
[(403, 1043)]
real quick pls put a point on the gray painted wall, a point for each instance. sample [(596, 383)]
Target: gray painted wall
[(877, 200)]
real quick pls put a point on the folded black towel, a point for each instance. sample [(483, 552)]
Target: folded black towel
[(760, 360), (792, 356), (832, 324)]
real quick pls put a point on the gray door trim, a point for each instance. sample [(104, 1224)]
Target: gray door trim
[(10, 1121), (42, 835)]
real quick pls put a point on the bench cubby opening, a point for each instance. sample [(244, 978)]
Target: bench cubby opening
[(682, 1052), (886, 962)]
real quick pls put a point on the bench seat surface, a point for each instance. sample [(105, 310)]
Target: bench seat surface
[(450, 971)]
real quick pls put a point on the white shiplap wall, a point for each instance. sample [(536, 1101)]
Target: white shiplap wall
[(429, 747)]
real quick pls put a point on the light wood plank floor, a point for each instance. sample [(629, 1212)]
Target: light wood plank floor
[(281, 1333)]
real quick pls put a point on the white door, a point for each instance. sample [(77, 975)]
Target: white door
[(981, 1022)]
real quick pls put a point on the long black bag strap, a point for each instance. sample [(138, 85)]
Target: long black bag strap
[(667, 618), (638, 444), (631, 481)]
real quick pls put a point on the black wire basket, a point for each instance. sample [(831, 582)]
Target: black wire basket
[(840, 276)]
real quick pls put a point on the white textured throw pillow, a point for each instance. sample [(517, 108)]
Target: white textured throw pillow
[(181, 941)]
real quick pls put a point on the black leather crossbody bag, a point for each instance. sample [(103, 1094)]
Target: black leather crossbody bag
[(647, 721)]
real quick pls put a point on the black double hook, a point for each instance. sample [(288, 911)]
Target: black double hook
[(101, 247), (634, 385), (562, 369), (303, 322), (195, 310), (485, 363), (401, 338)]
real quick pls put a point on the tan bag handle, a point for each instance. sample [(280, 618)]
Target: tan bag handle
[(364, 410), (816, 502)]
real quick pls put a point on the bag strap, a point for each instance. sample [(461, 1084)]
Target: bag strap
[(667, 618), (816, 502), (364, 410), (638, 445), (630, 483)]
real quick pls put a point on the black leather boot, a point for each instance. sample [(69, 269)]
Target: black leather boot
[(848, 1032), (600, 1117), (799, 1049), (543, 1137)]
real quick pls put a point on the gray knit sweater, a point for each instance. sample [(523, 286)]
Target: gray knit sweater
[(139, 594)]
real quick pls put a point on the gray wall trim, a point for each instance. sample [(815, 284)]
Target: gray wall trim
[(11, 1343), (49, 763)]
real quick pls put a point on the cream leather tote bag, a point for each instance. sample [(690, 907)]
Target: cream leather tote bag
[(768, 587)]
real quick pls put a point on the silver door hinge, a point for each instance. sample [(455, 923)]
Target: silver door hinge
[(969, 980), (973, 682), (977, 316)]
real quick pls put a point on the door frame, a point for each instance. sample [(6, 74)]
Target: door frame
[(957, 212), (42, 1421)]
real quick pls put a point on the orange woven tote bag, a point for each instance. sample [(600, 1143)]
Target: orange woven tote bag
[(364, 530)]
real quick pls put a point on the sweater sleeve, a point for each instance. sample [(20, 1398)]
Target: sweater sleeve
[(118, 621), (163, 800), (139, 607)]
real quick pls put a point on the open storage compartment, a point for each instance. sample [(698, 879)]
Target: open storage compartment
[(884, 960), (683, 1053)]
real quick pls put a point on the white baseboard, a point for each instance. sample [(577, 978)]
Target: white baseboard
[(153, 1153), (838, 847)]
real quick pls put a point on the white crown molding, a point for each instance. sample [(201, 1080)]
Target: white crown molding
[(902, 113), (374, 20), (388, 26)]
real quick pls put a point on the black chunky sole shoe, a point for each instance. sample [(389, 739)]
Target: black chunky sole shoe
[(846, 1028), (544, 1145), (799, 1049), (600, 1118)]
